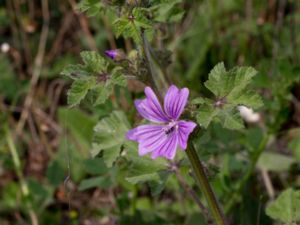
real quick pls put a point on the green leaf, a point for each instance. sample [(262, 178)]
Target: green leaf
[(55, 173), (101, 182), (117, 77), (157, 185), (232, 121), (127, 29), (131, 28), (238, 79), (110, 136), (93, 61), (92, 7), (75, 71), (144, 169), (286, 207), (168, 11), (229, 84), (140, 19), (230, 89), (94, 78), (271, 161), (198, 101), (79, 124), (248, 98), (216, 80), (143, 178), (102, 92), (95, 166), (206, 115), (79, 90)]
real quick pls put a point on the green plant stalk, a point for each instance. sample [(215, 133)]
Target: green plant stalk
[(205, 187), (153, 78), (17, 165)]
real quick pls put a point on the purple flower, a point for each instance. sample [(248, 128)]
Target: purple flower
[(115, 54), (162, 138)]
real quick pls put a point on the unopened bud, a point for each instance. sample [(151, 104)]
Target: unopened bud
[(115, 54), (248, 115)]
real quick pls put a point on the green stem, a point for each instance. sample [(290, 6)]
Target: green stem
[(23, 184), (205, 187), (152, 78), (17, 163)]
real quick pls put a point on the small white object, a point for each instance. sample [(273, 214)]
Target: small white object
[(5, 47), (248, 114)]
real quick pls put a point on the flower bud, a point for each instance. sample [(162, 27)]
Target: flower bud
[(248, 114), (115, 54)]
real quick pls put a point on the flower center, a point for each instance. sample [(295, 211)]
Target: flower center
[(170, 127)]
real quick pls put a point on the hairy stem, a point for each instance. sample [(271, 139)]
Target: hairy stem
[(204, 185)]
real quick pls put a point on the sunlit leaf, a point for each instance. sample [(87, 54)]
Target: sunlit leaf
[(286, 207)]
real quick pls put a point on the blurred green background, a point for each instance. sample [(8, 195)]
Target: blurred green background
[(46, 173)]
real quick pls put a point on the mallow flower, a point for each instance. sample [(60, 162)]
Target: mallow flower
[(162, 137)]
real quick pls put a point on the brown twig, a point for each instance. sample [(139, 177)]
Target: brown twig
[(46, 118), (24, 38), (268, 184), (32, 128), (15, 54), (43, 138), (66, 21), (54, 93), (84, 26), (37, 67)]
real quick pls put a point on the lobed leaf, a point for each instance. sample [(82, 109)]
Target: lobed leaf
[(131, 28), (109, 136), (94, 76), (79, 90), (230, 89), (93, 61)]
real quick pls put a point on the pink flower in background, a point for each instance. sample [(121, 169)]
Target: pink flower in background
[(162, 138)]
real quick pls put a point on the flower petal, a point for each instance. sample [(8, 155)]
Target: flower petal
[(150, 107), (175, 101), (143, 132), (148, 136), (167, 147), (184, 130)]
